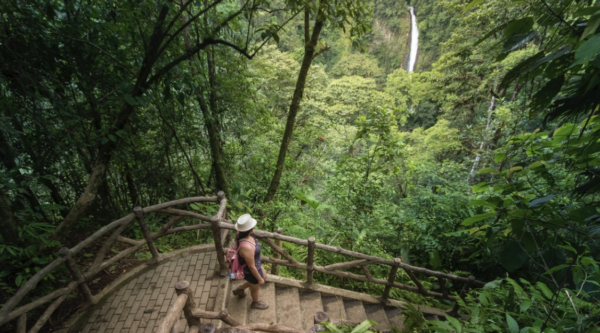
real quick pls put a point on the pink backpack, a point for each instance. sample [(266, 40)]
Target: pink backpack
[(233, 261)]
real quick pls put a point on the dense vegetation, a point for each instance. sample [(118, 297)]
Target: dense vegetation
[(484, 161)]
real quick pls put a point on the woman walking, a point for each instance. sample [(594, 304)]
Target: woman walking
[(249, 254)]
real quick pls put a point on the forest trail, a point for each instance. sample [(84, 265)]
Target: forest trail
[(141, 304)]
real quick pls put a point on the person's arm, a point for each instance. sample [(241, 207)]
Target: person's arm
[(247, 252)]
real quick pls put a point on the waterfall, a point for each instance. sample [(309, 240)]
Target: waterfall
[(414, 41)]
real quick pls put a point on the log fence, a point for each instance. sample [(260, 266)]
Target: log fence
[(184, 303), (80, 278), (282, 258), (221, 227)]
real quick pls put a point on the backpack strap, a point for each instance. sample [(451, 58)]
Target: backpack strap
[(245, 242)]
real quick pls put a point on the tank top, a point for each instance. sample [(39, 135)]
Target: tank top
[(256, 255)]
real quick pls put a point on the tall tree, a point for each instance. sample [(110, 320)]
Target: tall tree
[(355, 15)]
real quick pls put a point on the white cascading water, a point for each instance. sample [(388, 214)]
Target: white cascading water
[(414, 41)]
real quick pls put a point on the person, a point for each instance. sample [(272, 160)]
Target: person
[(249, 254)]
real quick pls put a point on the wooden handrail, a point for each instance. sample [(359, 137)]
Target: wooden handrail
[(362, 262), (220, 226), (185, 303), (8, 313), (374, 260)]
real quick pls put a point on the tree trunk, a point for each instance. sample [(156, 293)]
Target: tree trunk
[(213, 127), (104, 152), (309, 51), (8, 224), (132, 190), (214, 142)]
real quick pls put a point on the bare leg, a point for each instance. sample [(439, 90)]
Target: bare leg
[(254, 288), (244, 285)]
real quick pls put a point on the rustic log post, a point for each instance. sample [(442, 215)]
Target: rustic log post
[(22, 323), (275, 267), (443, 289), (461, 295), (418, 283), (310, 260), (183, 287), (321, 317), (77, 276), (139, 214), (216, 228), (391, 278), (208, 328), (173, 314)]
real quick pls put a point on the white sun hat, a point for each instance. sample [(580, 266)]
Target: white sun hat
[(245, 223)]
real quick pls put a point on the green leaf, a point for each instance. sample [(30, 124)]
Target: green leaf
[(439, 326), (544, 289), (131, 100), (565, 130), (499, 157), (480, 187), (556, 268), (512, 256), (126, 87), (516, 71), (481, 203), (524, 306), (473, 4), (332, 328), (434, 259), (586, 261), (455, 323), (587, 51), (363, 327), (592, 25), (544, 95), (513, 327), (516, 42), (488, 170), (490, 33), (519, 26), (540, 201), (492, 284), (476, 218)]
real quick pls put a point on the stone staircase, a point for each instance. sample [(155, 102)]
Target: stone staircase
[(294, 304), (296, 308)]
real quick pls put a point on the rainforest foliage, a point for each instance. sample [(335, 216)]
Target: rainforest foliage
[(485, 161)]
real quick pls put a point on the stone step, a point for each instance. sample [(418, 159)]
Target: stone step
[(334, 306), (310, 304), (376, 313), (288, 307), (355, 310), (266, 294), (395, 318), (238, 307)]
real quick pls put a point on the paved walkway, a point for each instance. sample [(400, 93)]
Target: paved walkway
[(140, 305)]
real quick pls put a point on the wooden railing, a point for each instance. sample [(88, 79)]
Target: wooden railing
[(221, 227), (273, 240), (8, 311), (184, 303)]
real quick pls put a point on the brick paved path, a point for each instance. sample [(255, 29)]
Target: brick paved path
[(142, 303)]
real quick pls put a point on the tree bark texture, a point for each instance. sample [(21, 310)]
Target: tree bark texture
[(309, 50), (8, 224)]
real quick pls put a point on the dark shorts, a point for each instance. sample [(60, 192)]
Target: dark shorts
[(248, 276)]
